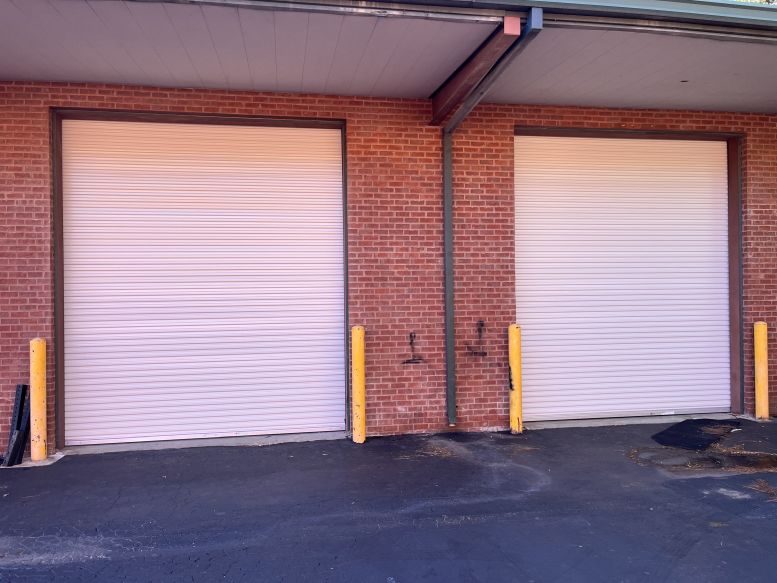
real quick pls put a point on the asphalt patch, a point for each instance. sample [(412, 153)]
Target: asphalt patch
[(695, 445), (765, 488), (695, 434)]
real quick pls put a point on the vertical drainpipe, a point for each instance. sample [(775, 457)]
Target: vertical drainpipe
[(450, 336)]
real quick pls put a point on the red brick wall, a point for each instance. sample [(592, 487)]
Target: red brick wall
[(395, 232)]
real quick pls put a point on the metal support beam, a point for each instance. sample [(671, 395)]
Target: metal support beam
[(533, 27), (452, 93), (478, 92)]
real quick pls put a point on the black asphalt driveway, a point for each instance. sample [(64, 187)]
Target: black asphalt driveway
[(567, 505)]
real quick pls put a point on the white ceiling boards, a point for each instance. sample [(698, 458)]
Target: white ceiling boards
[(205, 46), (625, 68)]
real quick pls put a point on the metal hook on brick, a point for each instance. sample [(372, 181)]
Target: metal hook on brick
[(479, 350), (414, 358)]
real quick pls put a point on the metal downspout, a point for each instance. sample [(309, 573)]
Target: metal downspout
[(447, 214)]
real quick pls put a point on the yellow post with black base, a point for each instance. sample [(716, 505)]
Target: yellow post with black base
[(516, 388), (358, 391), (761, 351), (38, 438)]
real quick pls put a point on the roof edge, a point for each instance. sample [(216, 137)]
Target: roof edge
[(718, 12)]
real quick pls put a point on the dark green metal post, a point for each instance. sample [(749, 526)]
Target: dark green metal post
[(450, 335)]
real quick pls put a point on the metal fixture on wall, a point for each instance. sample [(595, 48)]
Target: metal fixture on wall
[(414, 358), (479, 349)]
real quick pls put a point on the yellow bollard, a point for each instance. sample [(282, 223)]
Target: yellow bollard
[(38, 441), (516, 389), (761, 351), (358, 394)]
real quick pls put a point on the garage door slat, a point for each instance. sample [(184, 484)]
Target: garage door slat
[(204, 280), (622, 276)]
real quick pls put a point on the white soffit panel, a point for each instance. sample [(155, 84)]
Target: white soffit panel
[(622, 276), (204, 281), (616, 68), (207, 46)]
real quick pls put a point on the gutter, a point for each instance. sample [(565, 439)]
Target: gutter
[(721, 33), (727, 13), (717, 12), (424, 11)]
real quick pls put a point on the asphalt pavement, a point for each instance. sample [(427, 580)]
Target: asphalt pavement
[(555, 505)]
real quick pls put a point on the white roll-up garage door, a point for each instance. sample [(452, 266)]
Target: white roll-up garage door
[(203, 280), (622, 276)]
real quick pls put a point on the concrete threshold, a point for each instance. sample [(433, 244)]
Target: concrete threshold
[(610, 421), (28, 463), (243, 441), (260, 440)]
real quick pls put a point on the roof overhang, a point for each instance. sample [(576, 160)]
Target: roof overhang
[(638, 64), (633, 53), (276, 46)]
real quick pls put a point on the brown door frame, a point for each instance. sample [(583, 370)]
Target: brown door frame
[(734, 148), (57, 115)]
